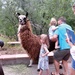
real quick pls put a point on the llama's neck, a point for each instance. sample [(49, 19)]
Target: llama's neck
[(29, 25), (19, 28)]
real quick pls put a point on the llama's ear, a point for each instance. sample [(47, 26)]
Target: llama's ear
[(26, 14), (17, 14)]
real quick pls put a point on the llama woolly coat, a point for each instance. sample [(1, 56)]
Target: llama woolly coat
[(29, 41)]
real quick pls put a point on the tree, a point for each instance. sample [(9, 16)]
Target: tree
[(40, 13)]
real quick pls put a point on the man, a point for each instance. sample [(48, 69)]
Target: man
[(64, 52)]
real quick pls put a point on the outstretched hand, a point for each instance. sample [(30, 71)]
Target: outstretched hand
[(67, 40)]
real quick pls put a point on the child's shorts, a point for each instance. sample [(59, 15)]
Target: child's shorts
[(73, 64)]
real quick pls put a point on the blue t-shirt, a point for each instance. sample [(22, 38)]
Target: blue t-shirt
[(61, 31)]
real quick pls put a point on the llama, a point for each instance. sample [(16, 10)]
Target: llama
[(30, 42)]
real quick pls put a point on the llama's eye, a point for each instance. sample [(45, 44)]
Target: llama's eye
[(19, 19), (24, 19)]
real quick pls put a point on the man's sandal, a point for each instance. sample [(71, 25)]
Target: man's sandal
[(56, 74), (52, 73)]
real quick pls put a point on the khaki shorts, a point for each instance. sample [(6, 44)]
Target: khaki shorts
[(62, 54)]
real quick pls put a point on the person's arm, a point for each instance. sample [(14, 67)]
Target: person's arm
[(54, 38), (68, 40), (46, 50), (54, 28)]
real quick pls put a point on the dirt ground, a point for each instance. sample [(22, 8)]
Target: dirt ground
[(12, 49), (22, 69)]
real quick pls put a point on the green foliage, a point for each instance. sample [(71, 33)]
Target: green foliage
[(40, 13)]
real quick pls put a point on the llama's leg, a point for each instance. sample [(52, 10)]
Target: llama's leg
[(31, 62)]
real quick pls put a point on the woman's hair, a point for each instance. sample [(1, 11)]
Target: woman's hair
[(45, 38), (53, 21)]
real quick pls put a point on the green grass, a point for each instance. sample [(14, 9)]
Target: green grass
[(20, 69), (6, 39)]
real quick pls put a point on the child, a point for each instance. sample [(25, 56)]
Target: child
[(43, 56), (52, 28), (72, 52)]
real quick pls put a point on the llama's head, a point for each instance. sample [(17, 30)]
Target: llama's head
[(22, 18), (24, 23)]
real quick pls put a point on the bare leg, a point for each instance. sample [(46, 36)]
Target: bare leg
[(72, 71), (65, 65), (40, 72), (47, 72), (56, 45), (56, 67)]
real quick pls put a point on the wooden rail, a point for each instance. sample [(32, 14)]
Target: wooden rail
[(13, 43)]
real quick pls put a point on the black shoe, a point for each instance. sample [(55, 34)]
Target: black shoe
[(61, 74), (60, 67), (38, 70)]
